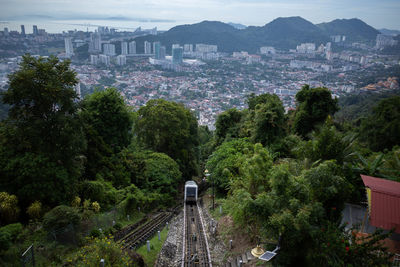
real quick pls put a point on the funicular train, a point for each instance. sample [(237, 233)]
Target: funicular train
[(191, 192)]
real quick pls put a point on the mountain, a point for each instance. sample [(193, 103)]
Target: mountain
[(237, 25), (389, 32), (207, 32), (281, 33), (286, 33), (355, 30)]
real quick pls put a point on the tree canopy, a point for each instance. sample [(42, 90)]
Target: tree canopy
[(41, 141), (381, 130), (314, 106), (170, 128)]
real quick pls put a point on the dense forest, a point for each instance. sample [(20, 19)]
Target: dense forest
[(281, 176)]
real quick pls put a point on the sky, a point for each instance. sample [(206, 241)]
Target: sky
[(377, 13)]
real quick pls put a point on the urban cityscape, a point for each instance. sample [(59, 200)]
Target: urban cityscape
[(204, 79)]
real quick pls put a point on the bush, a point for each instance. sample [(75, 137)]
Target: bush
[(95, 233), (5, 241), (76, 202), (9, 210), (100, 191), (60, 217), (100, 248), (35, 210), (95, 207), (8, 234)]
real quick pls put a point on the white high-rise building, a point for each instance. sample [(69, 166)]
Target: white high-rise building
[(109, 49), (69, 49), (306, 48), (104, 59), (187, 48), (94, 59), (95, 42), (124, 48), (132, 47), (205, 48), (147, 47), (121, 60), (175, 46)]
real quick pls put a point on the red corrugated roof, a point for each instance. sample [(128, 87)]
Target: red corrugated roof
[(385, 202)]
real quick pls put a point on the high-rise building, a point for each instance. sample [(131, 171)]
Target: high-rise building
[(162, 52), (97, 41), (121, 60), (175, 46), (35, 30), (156, 50), (132, 47), (306, 48), (94, 59), (69, 49), (104, 59), (124, 48), (383, 40), (22, 30), (6, 33), (177, 55), (109, 49), (187, 48), (205, 48), (147, 47)]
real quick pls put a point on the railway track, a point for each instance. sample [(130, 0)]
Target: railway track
[(195, 245), (139, 234)]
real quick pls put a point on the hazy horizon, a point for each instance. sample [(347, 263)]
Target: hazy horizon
[(166, 14)]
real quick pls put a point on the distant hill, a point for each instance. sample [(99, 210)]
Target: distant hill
[(282, 33), (286, 33), (207, 32), (237, 25), (355, 30), (389, 32)]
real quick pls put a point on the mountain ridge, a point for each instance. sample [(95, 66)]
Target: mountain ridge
[(282, 33)]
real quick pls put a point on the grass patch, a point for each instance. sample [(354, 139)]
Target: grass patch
[(155, 248)]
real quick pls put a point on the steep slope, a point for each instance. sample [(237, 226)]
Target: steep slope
[(355, 30)]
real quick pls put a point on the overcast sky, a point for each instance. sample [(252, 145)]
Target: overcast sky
[(377, 13)]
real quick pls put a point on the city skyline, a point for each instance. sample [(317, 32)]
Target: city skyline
[(379, 14)]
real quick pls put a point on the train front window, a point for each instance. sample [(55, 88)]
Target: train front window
[(191, 191)]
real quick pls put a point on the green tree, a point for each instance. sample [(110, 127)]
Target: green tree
[(170, 128), (314, 106), (226, 161), (327, 143), (227, 125), (382, 129), (268, 118), (109, 116), (41, 141), (108, 123)]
